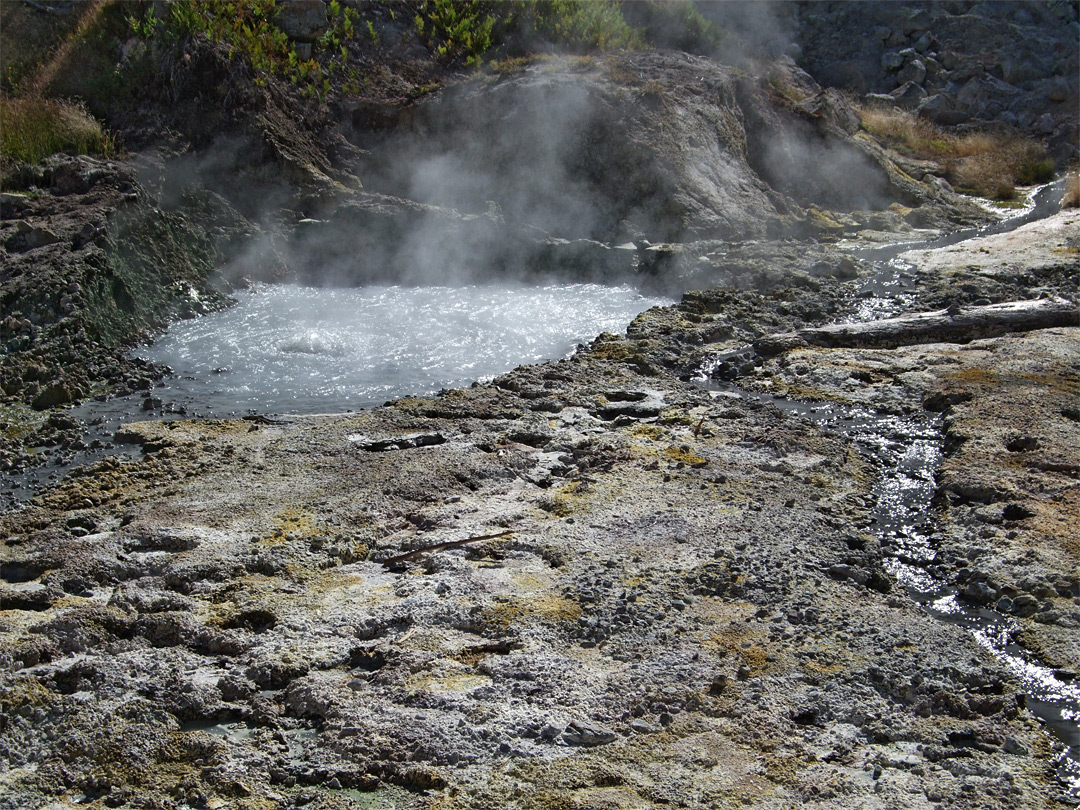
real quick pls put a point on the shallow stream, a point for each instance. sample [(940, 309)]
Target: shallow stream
[(907, 451)]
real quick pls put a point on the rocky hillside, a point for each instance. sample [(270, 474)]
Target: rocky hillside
[(959, 63)]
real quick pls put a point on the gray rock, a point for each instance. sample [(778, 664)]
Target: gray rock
[(949, 59), (978, 591), (587, 733), (406, 442), (891, 60), (981, 92), (1015, 747), (840, 571), (1056, 89), (1025, 605), (918, 21), (914, 71), (935, 107), (28, 237), (908, 95), (302, 20)]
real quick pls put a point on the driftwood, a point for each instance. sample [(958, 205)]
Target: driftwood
[(953, 325), (411, 555)]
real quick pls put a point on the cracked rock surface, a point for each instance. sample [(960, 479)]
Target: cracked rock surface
[(687, 604)]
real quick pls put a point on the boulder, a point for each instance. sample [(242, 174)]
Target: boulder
[(936, 107), (925, 42), (917, 22), (982, 93), (908, 95), (303, 20), (914, 72), (54, 395), (891, 60), (29, 237)]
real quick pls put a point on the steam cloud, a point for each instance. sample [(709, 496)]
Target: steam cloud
[(566, 170)]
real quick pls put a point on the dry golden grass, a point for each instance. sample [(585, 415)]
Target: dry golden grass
[(986, 163), (1072, 190), (33, 128)]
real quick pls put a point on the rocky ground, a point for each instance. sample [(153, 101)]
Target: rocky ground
[(663, 597), (589, 583)]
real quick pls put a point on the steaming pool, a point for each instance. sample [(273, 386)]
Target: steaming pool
[(289, 349)]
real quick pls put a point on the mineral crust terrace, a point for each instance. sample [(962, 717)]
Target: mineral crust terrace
[(684, 602)]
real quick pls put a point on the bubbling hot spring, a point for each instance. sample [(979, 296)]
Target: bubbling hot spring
[(287, 349)]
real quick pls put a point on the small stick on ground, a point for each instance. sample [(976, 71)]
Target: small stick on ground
[(411, 555)]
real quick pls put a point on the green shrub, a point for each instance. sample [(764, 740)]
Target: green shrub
[(457, 29), (468, 31), (589, 25), (247, 28), (1035, 171), (34, 128)]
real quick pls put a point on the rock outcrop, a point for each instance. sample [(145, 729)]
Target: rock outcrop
[(957, 62)]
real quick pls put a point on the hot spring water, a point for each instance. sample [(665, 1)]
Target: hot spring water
[(286, 349)]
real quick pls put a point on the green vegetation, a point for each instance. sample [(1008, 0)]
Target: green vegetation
[(248, 30), (471, 31), (457, 29), (587, 25), (33, 128), (990, 164)]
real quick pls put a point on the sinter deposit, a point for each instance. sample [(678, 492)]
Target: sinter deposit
[(805, 538)]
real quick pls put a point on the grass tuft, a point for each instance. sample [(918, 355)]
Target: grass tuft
[(990, 164), (1072, 191), (34, 128)]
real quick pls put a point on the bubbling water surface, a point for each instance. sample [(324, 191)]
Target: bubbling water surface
[(289, 349)]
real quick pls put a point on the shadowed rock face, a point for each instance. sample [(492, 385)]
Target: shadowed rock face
[(1007, 63), (542, 170)]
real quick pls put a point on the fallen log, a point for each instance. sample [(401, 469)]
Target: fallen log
[(410, 555), (953, 325)]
